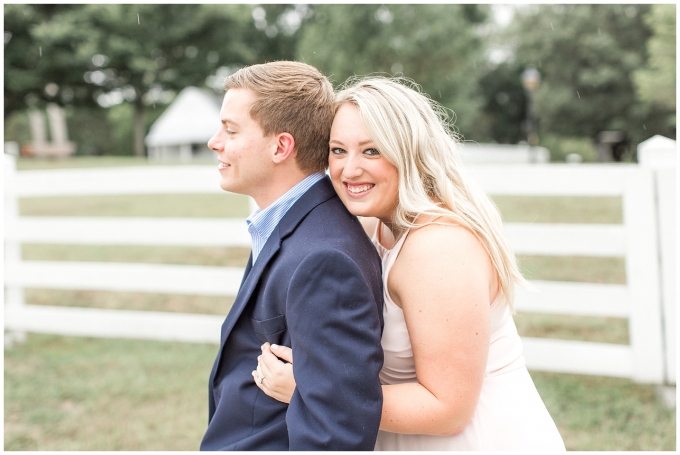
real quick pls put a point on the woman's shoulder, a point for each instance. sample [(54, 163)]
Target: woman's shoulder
[(440, 233), (432, 255), (440, 247)]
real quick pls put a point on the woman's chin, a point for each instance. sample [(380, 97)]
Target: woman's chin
[(359, 211)]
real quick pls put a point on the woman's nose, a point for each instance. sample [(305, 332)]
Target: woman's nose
[(352, 167)]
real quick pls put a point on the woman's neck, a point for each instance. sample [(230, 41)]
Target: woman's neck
[(395, 229)]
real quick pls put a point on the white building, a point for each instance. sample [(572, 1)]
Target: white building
[(182, 132)]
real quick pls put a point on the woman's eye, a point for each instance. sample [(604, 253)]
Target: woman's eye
[(372, 152), (337, 151)]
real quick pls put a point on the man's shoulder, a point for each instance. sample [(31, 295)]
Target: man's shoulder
[(331, 219), (328, 227)]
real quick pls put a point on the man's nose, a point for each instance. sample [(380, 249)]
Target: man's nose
[(215, 144)]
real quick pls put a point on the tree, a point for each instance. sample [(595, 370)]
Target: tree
[(587, 55), (504, 109), (138, 54), (438, 46), (655, 83), (33, 67)]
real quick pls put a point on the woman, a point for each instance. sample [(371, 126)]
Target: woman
[(454, 377)]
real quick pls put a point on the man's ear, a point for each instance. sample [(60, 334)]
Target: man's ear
[(285, 147)]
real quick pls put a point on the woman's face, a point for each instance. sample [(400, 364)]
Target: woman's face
[(365, 181)]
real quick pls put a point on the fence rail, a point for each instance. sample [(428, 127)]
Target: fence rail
[(639, 300)]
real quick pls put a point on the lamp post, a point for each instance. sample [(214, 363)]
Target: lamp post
[(531, 79)]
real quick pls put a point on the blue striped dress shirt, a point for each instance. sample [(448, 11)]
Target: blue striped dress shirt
[(261, 223)]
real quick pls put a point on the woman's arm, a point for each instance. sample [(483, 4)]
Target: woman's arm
[(444, 282)]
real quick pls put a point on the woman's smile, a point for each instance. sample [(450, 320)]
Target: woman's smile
[(358, 189)]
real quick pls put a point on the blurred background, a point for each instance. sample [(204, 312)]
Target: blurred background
[(116, 68), (119, 86)]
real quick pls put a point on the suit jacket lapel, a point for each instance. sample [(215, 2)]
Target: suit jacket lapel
[(320, 192), (250, 281), (249, 266)]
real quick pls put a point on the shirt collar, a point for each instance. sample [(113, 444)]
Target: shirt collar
[(263, 222)]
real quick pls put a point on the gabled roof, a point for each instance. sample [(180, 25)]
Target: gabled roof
[(192, 117)]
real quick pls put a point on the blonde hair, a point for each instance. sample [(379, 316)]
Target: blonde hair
[(295, 98), (414, 134)]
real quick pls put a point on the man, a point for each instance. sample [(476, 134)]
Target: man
[(313, 280)]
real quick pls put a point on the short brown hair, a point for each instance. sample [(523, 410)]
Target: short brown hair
[(295, 98)]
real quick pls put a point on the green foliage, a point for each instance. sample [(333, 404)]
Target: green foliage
[(90, 129), (504, 109), (604, 67), (121, 118), (40, 48), (17, 128), (140, 49), (587, 55), (162, 47), (141, 54), (435, 45), (656, 82)]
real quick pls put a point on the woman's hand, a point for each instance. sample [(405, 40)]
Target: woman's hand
[(274, 377)]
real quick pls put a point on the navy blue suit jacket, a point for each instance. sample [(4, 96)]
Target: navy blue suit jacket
[(316, 286)]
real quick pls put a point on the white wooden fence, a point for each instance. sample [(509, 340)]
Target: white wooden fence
[(648, 358)]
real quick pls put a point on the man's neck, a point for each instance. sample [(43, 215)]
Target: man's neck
[(277, 187)]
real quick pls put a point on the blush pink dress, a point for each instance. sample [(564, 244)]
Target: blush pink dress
[(510, 414)]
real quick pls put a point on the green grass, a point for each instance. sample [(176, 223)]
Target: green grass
[(612, 414), (69, 393), (573, 268), (212, 256), (567, 327), (153, 205), (560, 209), (139, 301)]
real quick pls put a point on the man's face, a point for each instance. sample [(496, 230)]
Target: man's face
[(244, 153)]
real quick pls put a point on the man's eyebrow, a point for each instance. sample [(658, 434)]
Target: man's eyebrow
[(228, 120)]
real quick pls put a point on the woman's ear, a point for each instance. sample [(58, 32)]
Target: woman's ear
[(285, 147)]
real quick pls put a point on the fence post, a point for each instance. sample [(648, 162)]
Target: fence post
[(14, 296), (660, 154), (642, 276), (666, 210)]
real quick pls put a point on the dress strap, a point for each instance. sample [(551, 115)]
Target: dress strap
[(378, 232)]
